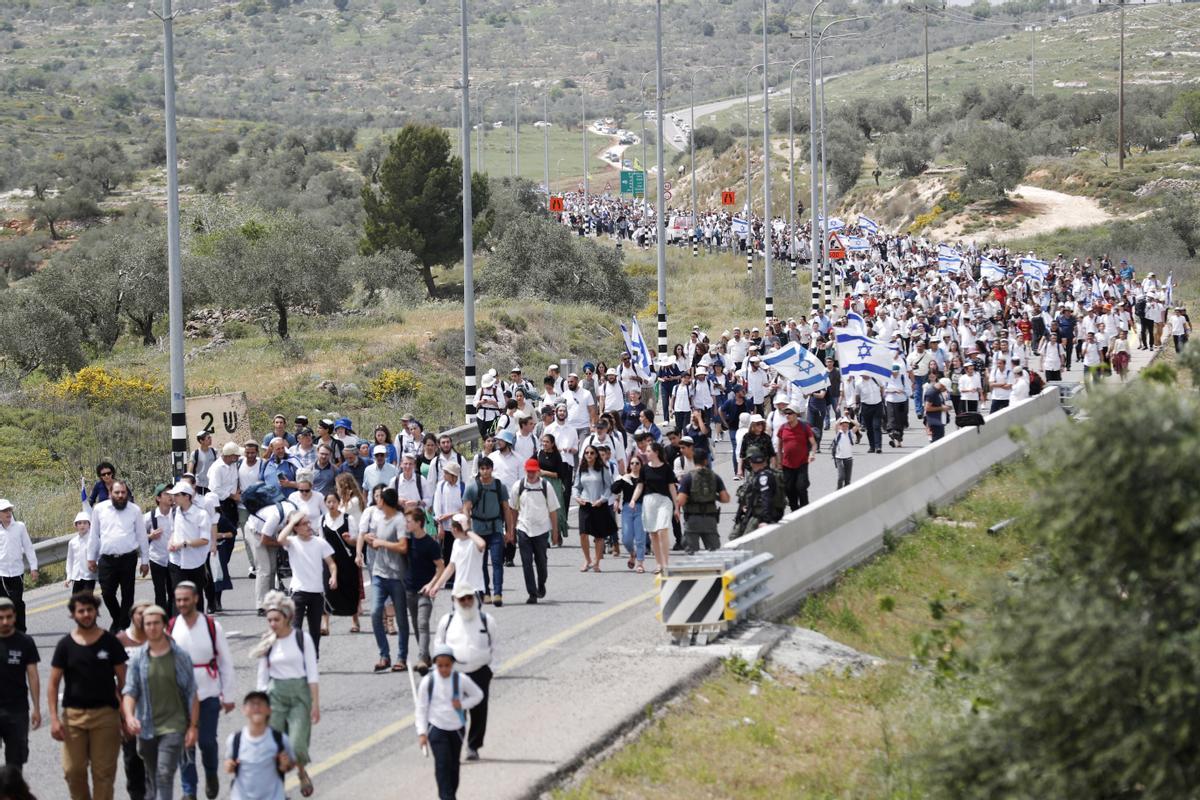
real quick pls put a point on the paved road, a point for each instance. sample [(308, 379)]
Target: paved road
[(588, 657)]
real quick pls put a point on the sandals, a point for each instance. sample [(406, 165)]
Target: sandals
[(586, 567), (355, 629), (324, 631), (657, 571), (400, 666), (639, 569), (629, 564), (306, 786), (596, 567), (382, 666)]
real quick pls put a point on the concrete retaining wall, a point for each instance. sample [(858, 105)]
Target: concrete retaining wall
[(812, 545)]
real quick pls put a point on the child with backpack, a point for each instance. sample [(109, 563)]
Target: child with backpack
[(257, 756), (442, 700)]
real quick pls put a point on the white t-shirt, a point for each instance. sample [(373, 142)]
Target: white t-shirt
[(969, 386), (578, 404), (247, 477), (468, 563), (307, 558)]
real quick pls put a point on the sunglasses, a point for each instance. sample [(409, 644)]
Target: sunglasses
[(106, 474)]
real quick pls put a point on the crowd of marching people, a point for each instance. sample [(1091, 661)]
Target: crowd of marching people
[(340, 523)]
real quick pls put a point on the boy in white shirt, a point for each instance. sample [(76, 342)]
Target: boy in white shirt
[(257, 756), (79, 577), (443, 698)]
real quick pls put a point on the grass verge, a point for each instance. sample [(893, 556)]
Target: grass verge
[(832, 735)]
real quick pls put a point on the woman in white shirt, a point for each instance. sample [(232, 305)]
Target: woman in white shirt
[(287, 671), (1052, 357), (970, 388)]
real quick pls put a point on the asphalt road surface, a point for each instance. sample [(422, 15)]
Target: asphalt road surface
[(565, 677)]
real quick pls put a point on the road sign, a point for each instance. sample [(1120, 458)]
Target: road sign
[(666, 195), (667, 186), (556, 203), (837, 250), (222, 415), (608, 186), (728, 198), (633, 181)]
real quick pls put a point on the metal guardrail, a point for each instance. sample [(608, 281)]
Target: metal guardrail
[(703, 595), (52, 551)]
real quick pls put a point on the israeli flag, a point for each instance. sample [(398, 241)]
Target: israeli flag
[(990, 269), (860, 355), (740, 227), (856, 324), (1170, 287), (867, 224), (799, 366), (857, 244), (836, 224), (639, 350), (949, 261), (1034, 269)]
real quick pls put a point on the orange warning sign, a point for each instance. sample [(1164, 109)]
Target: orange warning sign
[(837, 250), (556, 203), (728, 198)]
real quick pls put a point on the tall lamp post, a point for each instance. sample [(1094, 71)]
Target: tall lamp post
[(179, 443), (816, 235), (546, 140), (642, 112), (468, 238), (792, 163), (768, 275), (749, 204), (660, 223)]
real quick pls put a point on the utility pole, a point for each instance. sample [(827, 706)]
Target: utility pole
[(749, 204), (546, 140), (1121, 94), (924, 9), (660, 222), (179, 435), (817, 235), (516, 133), (768, 276), (468, 239)]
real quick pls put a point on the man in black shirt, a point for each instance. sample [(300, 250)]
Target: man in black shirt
[(92, 662), (18, 683)]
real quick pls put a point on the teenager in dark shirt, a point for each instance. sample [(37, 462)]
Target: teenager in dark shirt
[(18, 683), (89, 663)]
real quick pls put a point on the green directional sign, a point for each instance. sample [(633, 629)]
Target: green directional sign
[(633, 181)]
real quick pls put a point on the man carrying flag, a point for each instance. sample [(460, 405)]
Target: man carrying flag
[(871, 361)]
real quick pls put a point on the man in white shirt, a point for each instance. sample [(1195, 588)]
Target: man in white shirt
[(203, 638), (470, 632), (117, 551), (379, 473), (262, 528), (15, 549), (737, 348), (411, 488), (158, 531), (191, 532), (581, 406), (247, 477), (870, 411), (1000, 380), (537, 509), (303, 454), (896, 392), (970, 386), (526, 444), (565, 436), (612, 394)]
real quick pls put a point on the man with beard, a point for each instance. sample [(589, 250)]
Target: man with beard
[(470, 632), (118, 550)]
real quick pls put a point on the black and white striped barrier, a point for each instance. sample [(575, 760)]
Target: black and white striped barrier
[(703, 595)]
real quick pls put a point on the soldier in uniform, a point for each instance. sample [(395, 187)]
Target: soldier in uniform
[(756, 496)]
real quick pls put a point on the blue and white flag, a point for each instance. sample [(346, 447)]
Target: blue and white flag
[(856, 324), (990, 270), (83, 503), (739, 227), (1034, 269), (860, 355), (799, 366), (867, 224), (949, 261), (639, 351), (857, 244), (1170, 287), (836, 224)]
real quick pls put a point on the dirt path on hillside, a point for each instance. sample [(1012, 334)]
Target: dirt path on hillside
[(1040, 210)]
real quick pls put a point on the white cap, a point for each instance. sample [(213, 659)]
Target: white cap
[(379, 450), (453, 468), (5, 505), (609, 371), (183, 487), (462, 521), (231, 449), (463, 589), (83, 516)]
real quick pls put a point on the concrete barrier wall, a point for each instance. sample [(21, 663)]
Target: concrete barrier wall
[(812, 545)]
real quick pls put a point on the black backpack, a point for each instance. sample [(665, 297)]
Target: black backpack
[(261, 495), (521, 487), (481, 488)]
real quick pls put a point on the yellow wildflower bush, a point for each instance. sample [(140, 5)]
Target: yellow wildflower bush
[(98, 386), (392, 384)]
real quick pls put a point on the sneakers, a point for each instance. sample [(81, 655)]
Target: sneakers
[(508, 562), (251, 574), (422, 668), (532, 601), (487, 599), (472, 754), (212, 785), (498, 600), (541, 592)]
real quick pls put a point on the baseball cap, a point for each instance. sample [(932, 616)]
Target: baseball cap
[(183, 487), (379, 450), (532, 465)]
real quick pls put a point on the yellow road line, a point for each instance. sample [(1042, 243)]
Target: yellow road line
[(525, 657)]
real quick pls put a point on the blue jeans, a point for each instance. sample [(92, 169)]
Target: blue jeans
[(633, 535), (495, 554), (210, 712), (733, 444), (381, 590), (919, 395)]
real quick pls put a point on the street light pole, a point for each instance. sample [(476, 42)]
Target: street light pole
[(546, 140), (826, 279), (749, 204), (179, 443), (768, 275), (660, 222), (516, 137), (641, 104), (816, 235), (468, 239), (692, 147), (792, 238), (1121, 94)]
